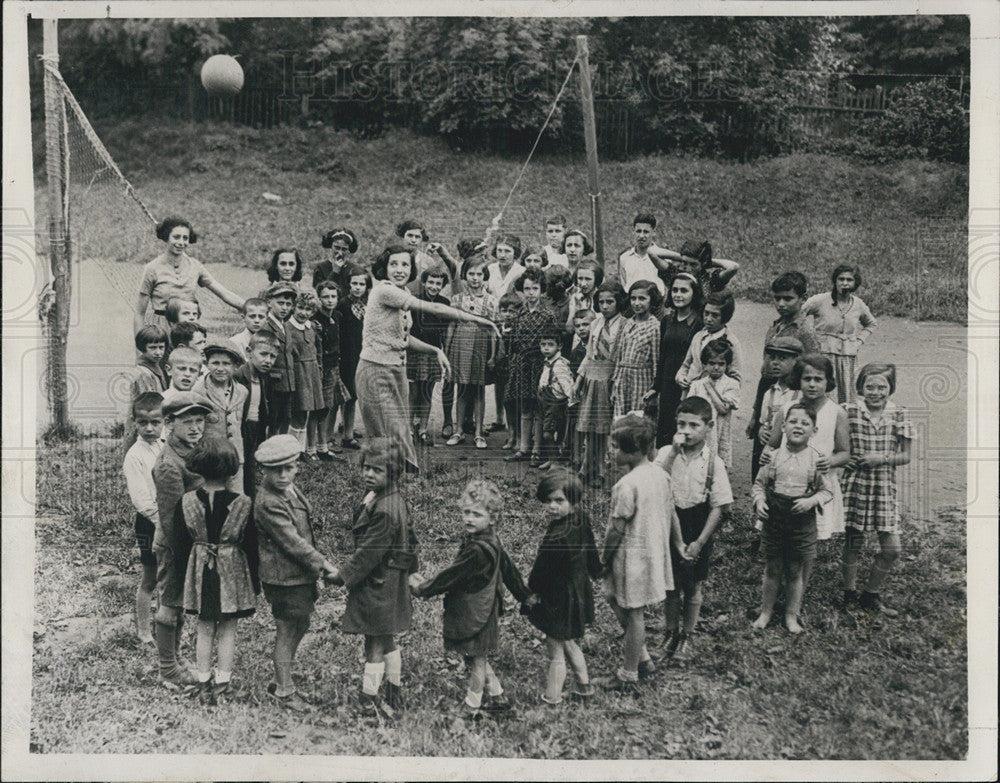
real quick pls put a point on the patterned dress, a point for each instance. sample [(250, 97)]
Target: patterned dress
[(468, 345), (221, 581), (525, 358), (635, 363), (598, 366), (870, 497)]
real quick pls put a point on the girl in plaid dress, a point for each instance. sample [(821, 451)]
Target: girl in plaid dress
[(470, 347), (525, 366), (880, 434), (638, 349)]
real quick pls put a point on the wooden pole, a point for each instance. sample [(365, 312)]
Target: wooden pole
[(590, 139), (55, 157)]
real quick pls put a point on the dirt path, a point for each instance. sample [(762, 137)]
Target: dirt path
[(931, 358)]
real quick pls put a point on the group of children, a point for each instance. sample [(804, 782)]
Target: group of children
[(577, 371)]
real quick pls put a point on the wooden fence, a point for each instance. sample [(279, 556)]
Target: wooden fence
[(834, 113)]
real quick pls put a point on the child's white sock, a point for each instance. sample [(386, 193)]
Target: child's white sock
[(204, 676), (492, 682), (473, 699), (222, 677), (372, 678), (393, 667)]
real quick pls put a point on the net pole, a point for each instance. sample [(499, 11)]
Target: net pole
[(55, 161), (590, 140)]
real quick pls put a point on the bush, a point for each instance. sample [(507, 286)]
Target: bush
[(924, 120)]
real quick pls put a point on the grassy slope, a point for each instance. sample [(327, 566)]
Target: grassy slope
[(905, 224), (848, 688)]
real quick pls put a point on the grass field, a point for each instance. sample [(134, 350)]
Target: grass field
[(905, 224), (849, 688)]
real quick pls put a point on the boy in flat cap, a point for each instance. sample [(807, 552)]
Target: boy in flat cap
[(780, 354), (290, 564), (185, 416), (280, 302), (228, 399)]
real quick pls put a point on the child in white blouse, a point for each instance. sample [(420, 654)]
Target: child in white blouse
[(723, 393)]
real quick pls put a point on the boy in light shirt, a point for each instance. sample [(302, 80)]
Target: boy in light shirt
[(147, 414), (702, 494), (254, 316)]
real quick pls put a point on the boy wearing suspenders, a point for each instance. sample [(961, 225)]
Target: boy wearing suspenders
[(702, 494)]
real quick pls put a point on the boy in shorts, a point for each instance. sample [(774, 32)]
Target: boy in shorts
[(701, 495), (147, 414), (185, 414), (290, 564)]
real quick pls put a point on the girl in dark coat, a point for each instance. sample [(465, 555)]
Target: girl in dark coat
[(678, 327), (352, 316), (567, 561), (473, 594), (221, 581), (385, 554)]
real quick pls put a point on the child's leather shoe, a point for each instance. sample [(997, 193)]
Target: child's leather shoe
[(682, 652), (872, 602)]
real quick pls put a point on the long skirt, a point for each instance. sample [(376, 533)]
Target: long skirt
[(843, 372), (383, 397)]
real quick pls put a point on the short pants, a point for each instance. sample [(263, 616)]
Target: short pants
[(144, 532), (291, 602), (786, 535)]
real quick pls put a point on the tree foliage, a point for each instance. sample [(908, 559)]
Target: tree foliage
[(710, 85), (907, 44)]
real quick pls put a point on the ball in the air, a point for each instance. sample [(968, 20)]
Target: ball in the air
[(221, 75)]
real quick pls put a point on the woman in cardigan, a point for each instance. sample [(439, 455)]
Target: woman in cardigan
[(382, 389)]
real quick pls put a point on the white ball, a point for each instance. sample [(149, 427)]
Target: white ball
[(222, 75)]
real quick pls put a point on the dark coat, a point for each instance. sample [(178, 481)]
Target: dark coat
[(567, 561), (378, 597), (243, 377), (171, 542), (473, 590), (282, 374)]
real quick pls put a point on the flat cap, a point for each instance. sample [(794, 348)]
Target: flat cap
[(278, 450), (785, 344), (281, 287), (224, 346), (186, 402)]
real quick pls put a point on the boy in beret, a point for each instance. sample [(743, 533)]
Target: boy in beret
[(228, 399), (290, 564), (185, 414)]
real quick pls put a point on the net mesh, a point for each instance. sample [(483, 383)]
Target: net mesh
[(107, 233)]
